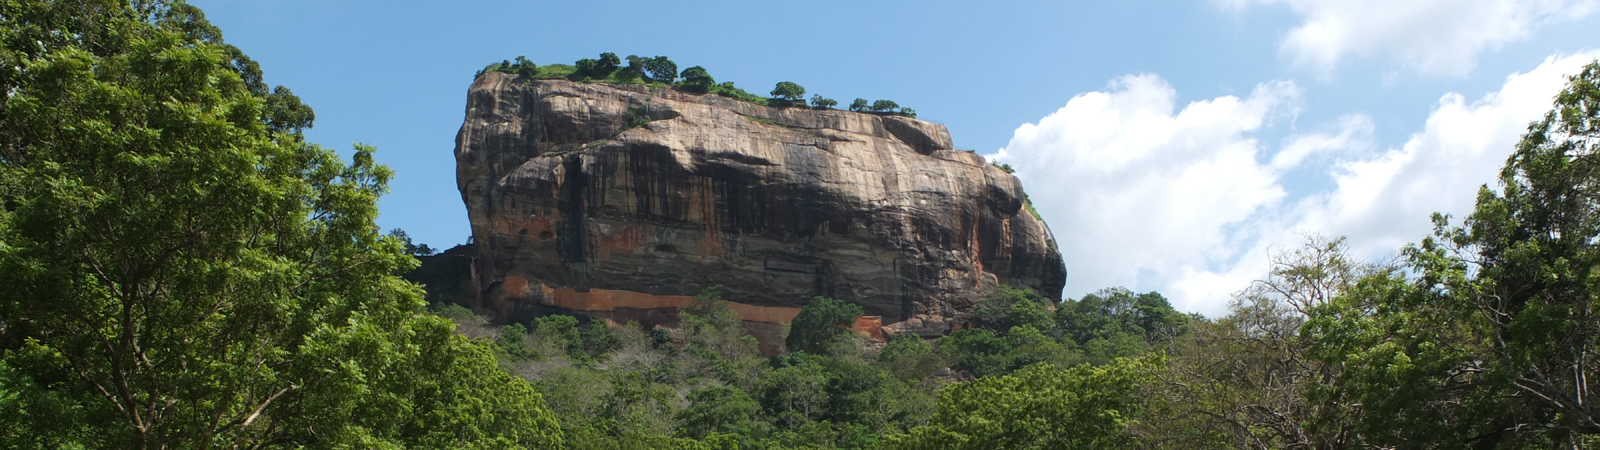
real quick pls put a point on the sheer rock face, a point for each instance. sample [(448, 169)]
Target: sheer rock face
[(572, 210)]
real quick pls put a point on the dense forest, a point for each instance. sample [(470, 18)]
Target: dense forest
[(180, 268)]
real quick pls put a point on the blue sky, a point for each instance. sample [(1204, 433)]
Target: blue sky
[(1171, 145)]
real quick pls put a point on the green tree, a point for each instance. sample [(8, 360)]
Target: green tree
[(862, 394), (884, 106), (1512, 291), (708, 324), (1005, 307), (822, 325), (606, 65), (696, 80), (976, 350), (908, 357), (661, 69), (512, 344), (788, 91), (525, 68), (859, 105), (820, 102), (718, 409), (599, 339), (411, 248), (183, 270), (1113, 312), (1251, 379), (585, 69), (1041, 407), (908, 112), (795, 393), (636, 65)]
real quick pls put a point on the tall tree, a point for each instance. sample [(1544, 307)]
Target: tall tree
[(1494, 342), (183, 270), (1252, 379)]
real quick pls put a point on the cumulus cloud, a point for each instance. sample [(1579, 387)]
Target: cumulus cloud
[(1188, 202), (1136, 191), (1385, 201), (1435, 37)]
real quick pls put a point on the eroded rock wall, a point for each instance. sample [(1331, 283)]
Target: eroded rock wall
[(571, 211)]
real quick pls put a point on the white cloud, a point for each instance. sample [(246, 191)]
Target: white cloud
[(1188, 202), (1385, 201), (1435, 37), (1136, 192)]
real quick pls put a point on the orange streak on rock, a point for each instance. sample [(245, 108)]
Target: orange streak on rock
[(617, 239), (704, 210), (514, 286), (872, 326), (768, 314), (611, 299)]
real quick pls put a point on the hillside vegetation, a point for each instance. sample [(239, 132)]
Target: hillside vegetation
[(181, 269)]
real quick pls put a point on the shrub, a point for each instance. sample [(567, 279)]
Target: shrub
[(511, 346), (727, 89), (555, 71), (635, 117)]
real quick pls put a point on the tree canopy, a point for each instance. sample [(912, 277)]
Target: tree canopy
[(788, 91), (820, 102), (696, 79), (184, 270), (661, 69), (822, 324)]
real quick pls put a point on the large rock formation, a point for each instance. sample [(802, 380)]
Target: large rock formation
[(573, 210)]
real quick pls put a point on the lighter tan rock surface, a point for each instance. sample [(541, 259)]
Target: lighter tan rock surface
[(570, 211)]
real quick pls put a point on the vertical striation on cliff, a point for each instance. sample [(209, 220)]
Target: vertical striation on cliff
[(572, 210)]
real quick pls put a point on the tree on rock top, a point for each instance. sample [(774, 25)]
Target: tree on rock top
[(696, 80), (788, 91), (820, 102), (661, 69)]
